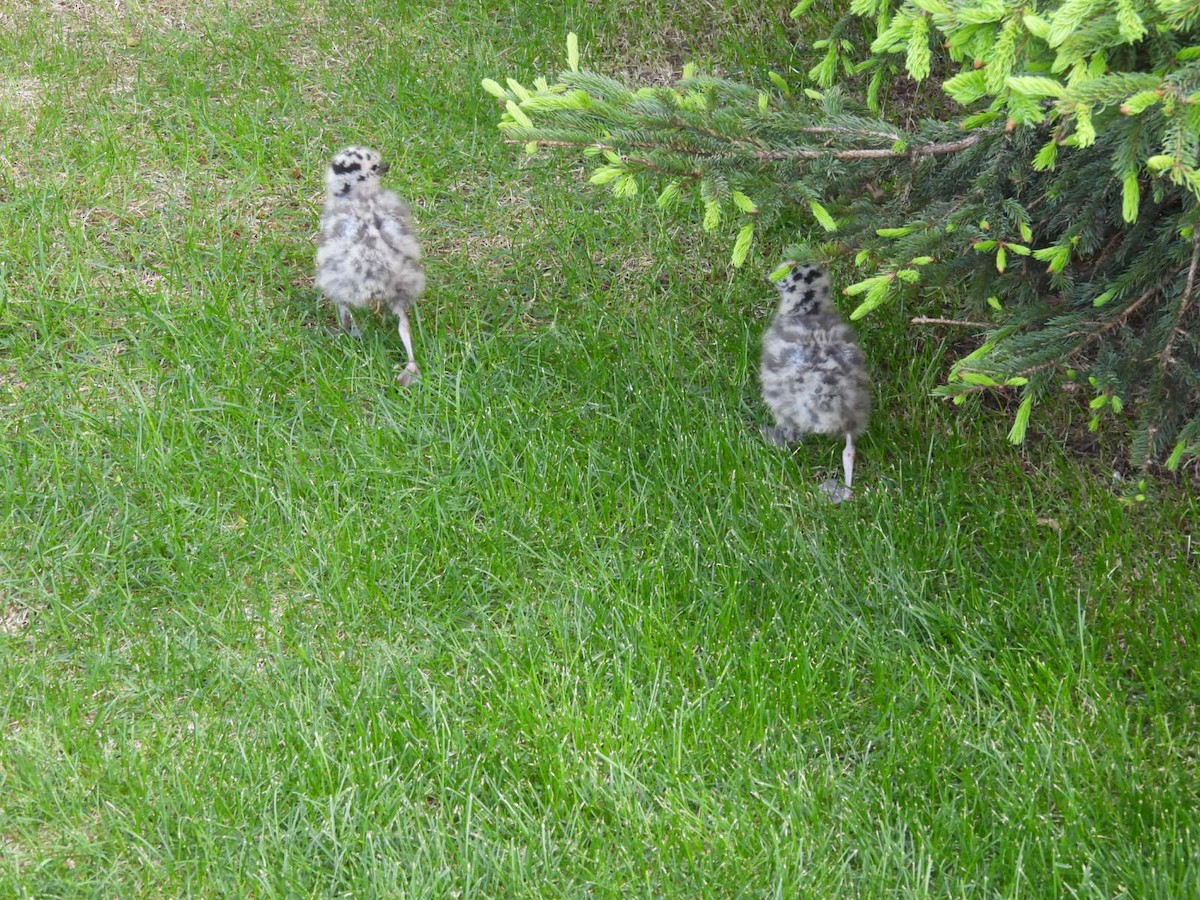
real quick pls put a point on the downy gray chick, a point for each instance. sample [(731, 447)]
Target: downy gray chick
[(367, 254), (814, 376)]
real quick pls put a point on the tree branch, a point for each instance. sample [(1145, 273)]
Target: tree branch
[(913, 152), (1086, 338), (962, 323), (1089, 336), (882, 135), (1185, 301)]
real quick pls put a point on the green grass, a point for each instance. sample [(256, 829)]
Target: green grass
[(555, 622)]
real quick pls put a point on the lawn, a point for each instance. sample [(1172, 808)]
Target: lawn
[(554, 621)]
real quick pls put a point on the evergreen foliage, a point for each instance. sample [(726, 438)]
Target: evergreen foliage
[(1057, 210)]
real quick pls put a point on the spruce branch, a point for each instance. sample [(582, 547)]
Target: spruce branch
[(1087, 337), (1185, 301), (916, 151), (957, 323), (1050, 214)]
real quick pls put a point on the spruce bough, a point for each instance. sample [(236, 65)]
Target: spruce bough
[(1054, 208)]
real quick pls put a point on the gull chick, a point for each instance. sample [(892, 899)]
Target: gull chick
[(367, 254), (814, 376)]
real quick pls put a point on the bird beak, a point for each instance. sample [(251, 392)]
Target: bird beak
[(383, 168)]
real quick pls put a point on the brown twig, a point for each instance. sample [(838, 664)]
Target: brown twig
[(964, 389), (641, 145), (883, 135), (963, 323), (914, 152), (645, 163), (1184, 302), (1089, 336), (1108, 248), (1042, 367)]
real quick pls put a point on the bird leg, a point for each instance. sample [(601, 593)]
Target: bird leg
[(347, 322), (839, 493), (848, 459), (779, 437), (412, 370)]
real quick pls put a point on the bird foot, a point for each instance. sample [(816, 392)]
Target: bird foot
[(411, 372), (835, 490)]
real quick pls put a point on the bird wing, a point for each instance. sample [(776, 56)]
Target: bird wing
[(342, 228), (397, 235)]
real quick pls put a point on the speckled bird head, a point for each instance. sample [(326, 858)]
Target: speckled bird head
[(804, 291), (354, 170)]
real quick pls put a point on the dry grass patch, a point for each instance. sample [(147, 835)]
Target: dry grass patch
[(177, 14), (20, 94), (14, 616)]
